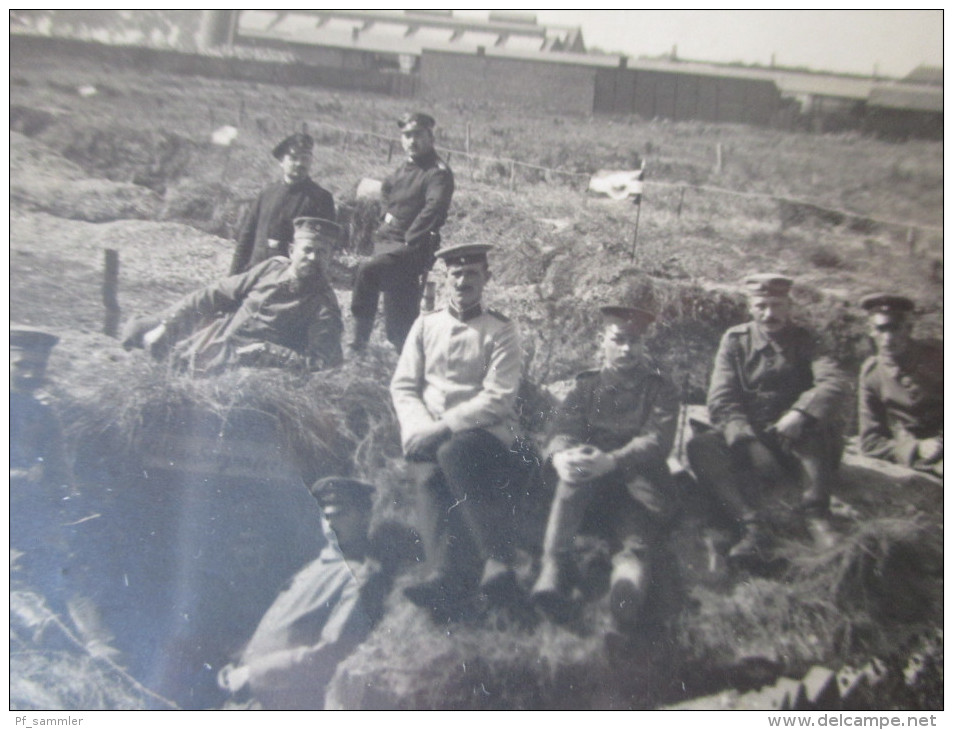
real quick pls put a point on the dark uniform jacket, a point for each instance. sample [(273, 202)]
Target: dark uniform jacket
[(299, 322), (632, 418), (757, 379), (43, 503), (268, 227), (899, 404), (415, 200)]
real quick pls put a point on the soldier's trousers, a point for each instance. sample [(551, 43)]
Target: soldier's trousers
[(468, 495), (397, 275), (738, 476), (631, 512)]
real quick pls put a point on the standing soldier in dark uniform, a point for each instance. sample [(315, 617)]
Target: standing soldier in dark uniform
[(268, 227), (40, 484), (777, 406), (415, 201), (609, 444), (901, 389)]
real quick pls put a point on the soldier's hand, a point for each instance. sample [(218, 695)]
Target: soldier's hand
[(791, 425), (153, 339), (232, 678), (930, 449), (427, 438), (582, 464)]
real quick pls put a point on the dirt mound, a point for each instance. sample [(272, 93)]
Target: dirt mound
[(96, 201)]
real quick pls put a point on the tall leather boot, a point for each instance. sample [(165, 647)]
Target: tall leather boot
[(363, 326), (550, 591)]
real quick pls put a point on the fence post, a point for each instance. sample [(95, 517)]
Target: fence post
[(241, 111), (110, 287), (681, 197), (912, 239), (390, 151), (512, 175), (347, 141), (467, 148), (718, 160)]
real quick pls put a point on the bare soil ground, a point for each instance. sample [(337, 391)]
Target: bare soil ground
[(132, 168)]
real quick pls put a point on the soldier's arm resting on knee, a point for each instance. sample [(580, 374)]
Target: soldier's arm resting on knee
[(725, 401)]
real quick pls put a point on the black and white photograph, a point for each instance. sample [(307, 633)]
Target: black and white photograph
[(467, 360)]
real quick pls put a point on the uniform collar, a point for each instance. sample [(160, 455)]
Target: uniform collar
[(467, 314), (297, 183), (761, 341), (423, 160), (628, 379)]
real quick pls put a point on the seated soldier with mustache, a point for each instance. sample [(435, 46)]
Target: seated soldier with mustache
[(776, 403)]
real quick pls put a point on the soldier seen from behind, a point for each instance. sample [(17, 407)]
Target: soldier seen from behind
[(42, 498), (776, 402), (268, 227), (608, 447), (415, 201), (901, 389)]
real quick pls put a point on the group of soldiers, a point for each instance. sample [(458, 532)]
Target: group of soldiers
[(777, 405)]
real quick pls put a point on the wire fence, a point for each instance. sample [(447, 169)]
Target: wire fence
[(649, 184)]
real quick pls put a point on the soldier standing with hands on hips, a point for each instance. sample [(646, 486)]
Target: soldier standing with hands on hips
[(415, 200)]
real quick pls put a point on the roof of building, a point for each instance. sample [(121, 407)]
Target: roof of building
[(408, 32), (929, 75), (907, 96)]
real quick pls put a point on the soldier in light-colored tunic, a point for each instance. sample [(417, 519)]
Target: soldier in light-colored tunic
[(454, 391)]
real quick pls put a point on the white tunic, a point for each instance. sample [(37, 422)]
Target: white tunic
[(462, 371)]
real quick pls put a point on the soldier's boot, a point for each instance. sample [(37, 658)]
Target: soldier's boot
[(363, 326), (751, 551), (629, 585), (550, 592), (817, 519)]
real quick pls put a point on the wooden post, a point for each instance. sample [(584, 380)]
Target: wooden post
[(241, 111), (390, 151), (912, 240), (681, 197), (512, 175), (718, 160), (347, 140), (110, 287), (466, 147), (635, 235)]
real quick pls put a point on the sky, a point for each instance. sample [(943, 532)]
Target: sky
[(850, 41)]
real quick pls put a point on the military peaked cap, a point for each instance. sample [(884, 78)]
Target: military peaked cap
[(464, 253), (297, 142), (630, 318), (25, 338), (319, 228), (768, 285), (336, 490), (416, 120), (886, 303)]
